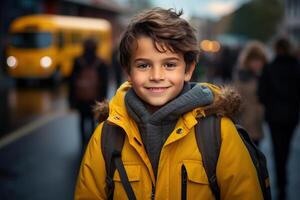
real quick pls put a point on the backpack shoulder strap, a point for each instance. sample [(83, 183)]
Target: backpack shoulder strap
[(259, 161), (208, 137), (112, 141)]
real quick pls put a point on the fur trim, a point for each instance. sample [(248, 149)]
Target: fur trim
[(227, 103), (101, 110)]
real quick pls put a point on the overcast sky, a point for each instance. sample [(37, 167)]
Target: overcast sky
[(204, 8)]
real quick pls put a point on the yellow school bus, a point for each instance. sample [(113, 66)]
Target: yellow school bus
[(44, 46)]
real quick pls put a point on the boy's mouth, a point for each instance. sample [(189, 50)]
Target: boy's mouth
[(157, 89)]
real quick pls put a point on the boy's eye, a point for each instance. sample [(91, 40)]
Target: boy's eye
[(170, 65), (143, 66)]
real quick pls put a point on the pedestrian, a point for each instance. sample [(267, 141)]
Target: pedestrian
[(158, 109), (279, 92), (224, 63), (88, 84), (251, 61), (116, 68)]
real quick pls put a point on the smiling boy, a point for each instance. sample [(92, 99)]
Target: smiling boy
[(157, 77), (158, 109)]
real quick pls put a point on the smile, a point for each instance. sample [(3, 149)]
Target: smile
[(157, 89)]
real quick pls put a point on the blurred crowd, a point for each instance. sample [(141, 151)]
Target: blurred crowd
[(267, 78)]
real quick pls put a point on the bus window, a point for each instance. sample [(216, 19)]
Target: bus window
[(60, 40), (31, 39), (75, 38)]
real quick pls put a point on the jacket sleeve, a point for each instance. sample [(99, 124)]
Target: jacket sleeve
[(91, 178), (236, 172)]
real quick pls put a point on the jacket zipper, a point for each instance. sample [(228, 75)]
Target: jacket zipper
[(183, 183), (153, 193)]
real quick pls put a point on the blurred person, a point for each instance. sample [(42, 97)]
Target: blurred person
[(88, 83), (157, 109), (251, 61), (116, 68), (224, 64), (298, 52), (279, 92)]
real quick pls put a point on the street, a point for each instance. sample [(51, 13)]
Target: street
[(43, 163)]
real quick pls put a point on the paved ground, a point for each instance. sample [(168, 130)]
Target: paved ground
[(43, 164), (293, 165)]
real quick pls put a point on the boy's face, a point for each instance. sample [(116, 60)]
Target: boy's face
[(157, 77)]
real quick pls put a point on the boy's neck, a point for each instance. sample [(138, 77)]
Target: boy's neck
[(152, 109)]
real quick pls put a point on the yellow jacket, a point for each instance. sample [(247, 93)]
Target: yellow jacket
[(235, 171)]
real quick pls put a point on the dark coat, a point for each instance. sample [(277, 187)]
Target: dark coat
[(279, 90), (102, 72)]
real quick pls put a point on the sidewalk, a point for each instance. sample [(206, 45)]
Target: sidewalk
[(293, 175)]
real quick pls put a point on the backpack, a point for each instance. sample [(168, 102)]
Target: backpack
[(86, 84), (208, 137)]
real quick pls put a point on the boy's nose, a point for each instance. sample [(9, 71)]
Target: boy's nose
[(157, 73)]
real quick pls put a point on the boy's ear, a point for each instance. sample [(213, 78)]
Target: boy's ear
[(128, 77), (189, 72)]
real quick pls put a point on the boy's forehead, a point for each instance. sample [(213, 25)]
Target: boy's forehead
[(144, 45)]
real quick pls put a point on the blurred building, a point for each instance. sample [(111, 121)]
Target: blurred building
[(203, 27), (291, 23)]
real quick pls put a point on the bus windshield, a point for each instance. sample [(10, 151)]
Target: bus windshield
[(31, 39)]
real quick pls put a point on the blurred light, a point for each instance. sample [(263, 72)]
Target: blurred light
[(12, 61), (205, 45), (215, 46), (46, 61), (210, 46)]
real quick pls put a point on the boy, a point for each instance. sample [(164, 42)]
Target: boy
[(157, 108)]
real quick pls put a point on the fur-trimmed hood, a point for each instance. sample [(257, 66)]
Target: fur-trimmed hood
[(226, 102)]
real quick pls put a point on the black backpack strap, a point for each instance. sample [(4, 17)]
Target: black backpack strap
[(259, 161), (208, 137), (112, 141), (123, 175)]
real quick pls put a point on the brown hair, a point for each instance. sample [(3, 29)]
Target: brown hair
[(167, 30), (253, 50)]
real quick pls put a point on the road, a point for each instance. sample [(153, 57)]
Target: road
[(43, 163)]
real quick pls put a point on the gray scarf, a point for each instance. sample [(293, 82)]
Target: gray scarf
[(155, 128)]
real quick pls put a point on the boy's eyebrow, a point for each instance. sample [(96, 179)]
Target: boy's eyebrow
[(141, 59), (165, 59), (171, 58)]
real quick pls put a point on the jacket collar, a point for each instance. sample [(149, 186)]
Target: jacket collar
[(226, 102)]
